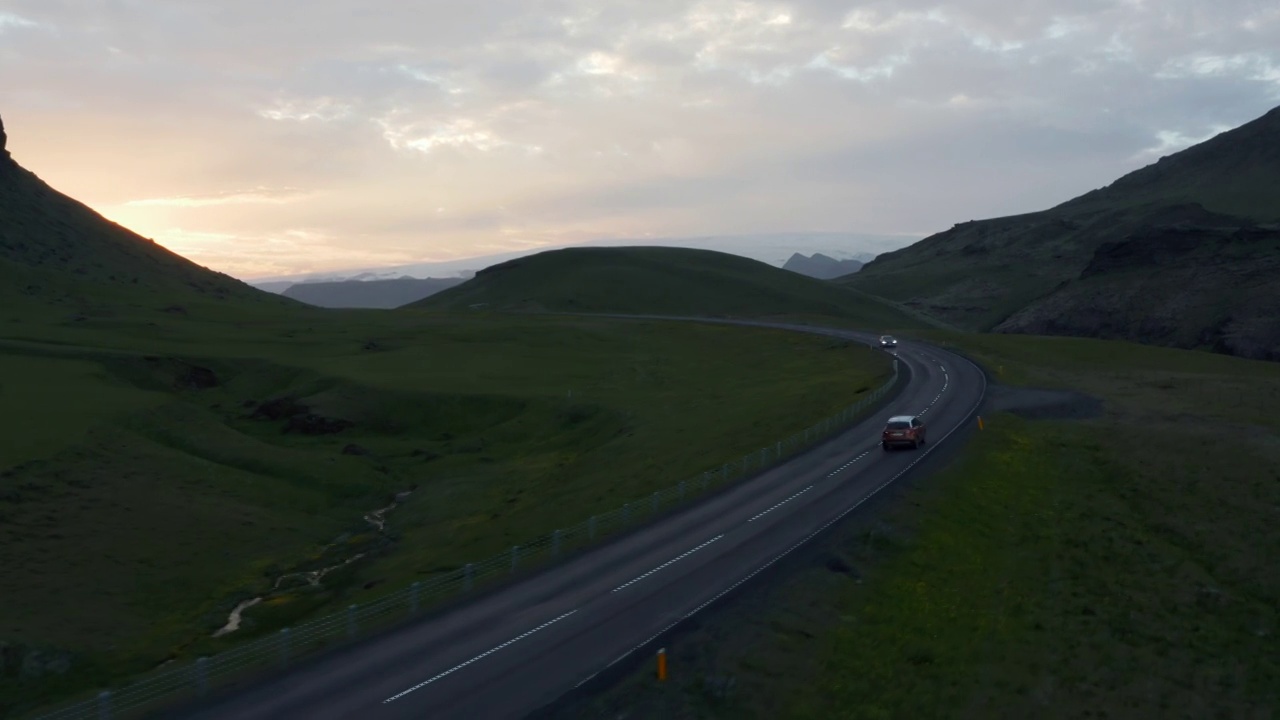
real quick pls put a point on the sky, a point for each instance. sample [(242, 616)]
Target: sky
[(270, 138)]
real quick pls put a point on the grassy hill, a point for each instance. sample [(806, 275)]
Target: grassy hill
[(659, 280), (1184, 252), (59, 258)]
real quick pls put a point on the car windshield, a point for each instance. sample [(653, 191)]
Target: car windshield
[(887, 338), (899, 425)]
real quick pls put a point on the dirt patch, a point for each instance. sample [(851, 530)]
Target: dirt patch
[(279, 409), (1041, 404), (311, 424), (298, 417)]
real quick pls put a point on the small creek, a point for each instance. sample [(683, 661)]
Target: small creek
[(376, 518)]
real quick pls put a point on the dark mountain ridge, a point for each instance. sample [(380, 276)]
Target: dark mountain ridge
[(56, 251), (820, 266), (383, 294), (1182, 252)]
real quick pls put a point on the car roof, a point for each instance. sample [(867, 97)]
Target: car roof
[(902, 418)]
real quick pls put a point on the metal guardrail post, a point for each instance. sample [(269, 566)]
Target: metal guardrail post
[(104, 705), (202, 675), (284, 647), (626, 513), (682, 491), (469, 573), (515, 556), (413, 596), (555, 543), (351, 621), (591, 529)]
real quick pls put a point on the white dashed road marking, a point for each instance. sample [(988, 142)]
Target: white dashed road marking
[(784, 502), (845, 466), (669, 562), (482, 655)]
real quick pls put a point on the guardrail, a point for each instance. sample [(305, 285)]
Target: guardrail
[(190, 681)]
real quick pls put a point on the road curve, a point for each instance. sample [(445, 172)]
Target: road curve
[(515, 650)]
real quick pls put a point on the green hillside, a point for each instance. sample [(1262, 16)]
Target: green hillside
[(1234, 173), (1183, 253), (659, 280), (60, 258)]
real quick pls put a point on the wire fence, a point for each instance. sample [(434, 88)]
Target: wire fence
[(189, 681)]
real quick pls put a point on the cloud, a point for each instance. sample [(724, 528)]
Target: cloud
[(324, 109), (237, 197), (557, 120), (10, 21)]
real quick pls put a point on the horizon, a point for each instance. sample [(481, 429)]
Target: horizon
[(350, 139), (767, 253)]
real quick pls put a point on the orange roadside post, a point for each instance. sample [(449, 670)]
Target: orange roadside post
[(979, 422), (662, 664)]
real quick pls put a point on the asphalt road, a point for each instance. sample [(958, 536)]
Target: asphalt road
[(513, 651)]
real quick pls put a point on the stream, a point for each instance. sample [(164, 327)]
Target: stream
[(376, 518)]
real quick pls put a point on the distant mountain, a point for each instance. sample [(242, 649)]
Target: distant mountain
[(772, 248), (1184, 252), (822, 267), (659, 280), (56, 254), (385, 294)]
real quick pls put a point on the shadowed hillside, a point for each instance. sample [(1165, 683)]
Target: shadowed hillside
[(658, 280), (56, 253), (1184, 252)]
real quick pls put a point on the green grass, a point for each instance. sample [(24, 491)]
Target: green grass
[(657, 280), (137, 511), (1118, 567)]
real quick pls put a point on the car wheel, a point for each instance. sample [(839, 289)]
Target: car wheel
[(885, 446)]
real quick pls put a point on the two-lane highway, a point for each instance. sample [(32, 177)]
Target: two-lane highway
[(517, 649)]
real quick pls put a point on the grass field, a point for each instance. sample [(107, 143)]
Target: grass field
[(140, 501), (1115, 567)]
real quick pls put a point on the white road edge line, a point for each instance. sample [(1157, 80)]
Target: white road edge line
[(665, 564), (482, 655)]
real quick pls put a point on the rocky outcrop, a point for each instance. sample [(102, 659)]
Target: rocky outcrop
[(4, 142), (1186, 286)]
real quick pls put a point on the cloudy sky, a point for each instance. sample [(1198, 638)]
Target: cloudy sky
[(267, 138)]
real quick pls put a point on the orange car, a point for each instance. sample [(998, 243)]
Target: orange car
[(903, 430)]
